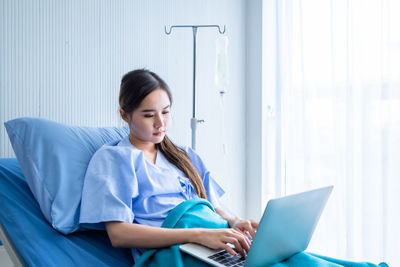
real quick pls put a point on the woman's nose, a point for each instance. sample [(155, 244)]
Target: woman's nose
[(159, 121)]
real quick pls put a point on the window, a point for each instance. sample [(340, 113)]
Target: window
[(332, 85)]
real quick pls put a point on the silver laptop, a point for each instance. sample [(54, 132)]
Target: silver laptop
[(284, 230)]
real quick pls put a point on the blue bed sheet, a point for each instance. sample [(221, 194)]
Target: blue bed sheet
[(37, 243)]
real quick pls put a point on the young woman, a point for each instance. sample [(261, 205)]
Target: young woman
[(132, 185)]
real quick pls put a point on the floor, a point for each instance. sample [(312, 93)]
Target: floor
[(5, 260)]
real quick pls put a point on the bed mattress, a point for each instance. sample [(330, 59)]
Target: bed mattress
[(36, 242)]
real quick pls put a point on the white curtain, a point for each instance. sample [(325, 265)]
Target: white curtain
[(338, 119)]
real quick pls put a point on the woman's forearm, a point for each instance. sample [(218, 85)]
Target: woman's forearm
[(130, 235), (231, 220)]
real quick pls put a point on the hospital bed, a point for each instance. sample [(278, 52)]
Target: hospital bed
[(53, 156), (31, 241)]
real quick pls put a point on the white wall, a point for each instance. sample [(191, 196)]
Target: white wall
[(63, 60)]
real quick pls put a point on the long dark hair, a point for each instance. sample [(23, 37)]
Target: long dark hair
[(135, 86)]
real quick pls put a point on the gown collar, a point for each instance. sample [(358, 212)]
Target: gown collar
[(161, 161)]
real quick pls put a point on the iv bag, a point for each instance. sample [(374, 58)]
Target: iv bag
[(221, 64)]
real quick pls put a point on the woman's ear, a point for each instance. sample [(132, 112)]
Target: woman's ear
[(123, 114)]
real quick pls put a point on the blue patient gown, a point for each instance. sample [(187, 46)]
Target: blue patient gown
[(122, 185)]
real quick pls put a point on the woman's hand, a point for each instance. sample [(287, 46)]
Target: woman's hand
[(246, 226), (218, 239)]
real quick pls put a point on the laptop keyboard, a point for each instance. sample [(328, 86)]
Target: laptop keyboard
[(224, 258)]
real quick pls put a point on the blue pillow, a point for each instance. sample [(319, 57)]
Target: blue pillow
[(53, 158)]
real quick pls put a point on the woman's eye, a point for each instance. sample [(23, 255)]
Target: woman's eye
[(148, 116), (165, 112)]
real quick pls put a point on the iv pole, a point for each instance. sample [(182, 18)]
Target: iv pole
[(194, 121)]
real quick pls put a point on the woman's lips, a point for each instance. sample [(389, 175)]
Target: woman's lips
[(158, 134)]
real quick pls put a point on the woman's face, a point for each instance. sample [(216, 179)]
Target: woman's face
[(149, 122)]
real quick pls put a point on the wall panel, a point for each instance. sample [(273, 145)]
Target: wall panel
[(63, 60)]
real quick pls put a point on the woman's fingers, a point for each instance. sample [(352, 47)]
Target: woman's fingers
[(248, 226), (235, 242), (250, 229), (244, 239), (248, 240), (229, 249), (240, 241), (219, 238), (254, 224)]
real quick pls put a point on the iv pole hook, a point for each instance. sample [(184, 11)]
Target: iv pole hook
[(194, 121)]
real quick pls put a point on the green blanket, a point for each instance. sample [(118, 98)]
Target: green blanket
[(199, 213), (193, 213)]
